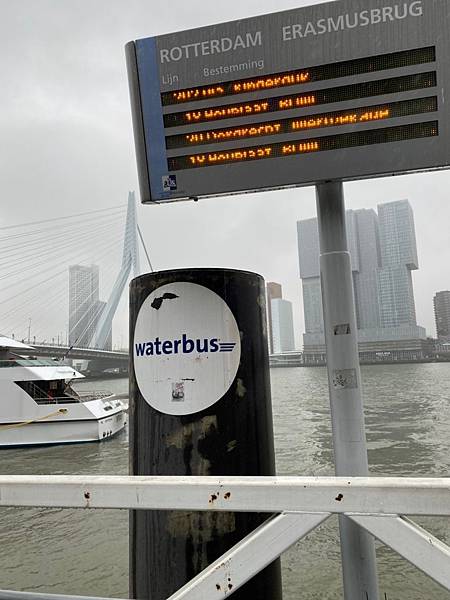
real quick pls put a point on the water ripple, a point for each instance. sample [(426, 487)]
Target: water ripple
[(407, 411)]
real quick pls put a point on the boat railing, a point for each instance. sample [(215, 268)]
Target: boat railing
[(44, 397), (57, 400), (380, 505), (95, 394), (84, 397), (38, 394), (27, 362)]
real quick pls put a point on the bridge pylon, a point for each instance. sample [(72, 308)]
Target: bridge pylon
[(130, 260)]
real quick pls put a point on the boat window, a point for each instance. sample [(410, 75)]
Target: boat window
[(27, 362)]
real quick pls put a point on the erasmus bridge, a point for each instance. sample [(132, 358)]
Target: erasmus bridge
[(36, 301)]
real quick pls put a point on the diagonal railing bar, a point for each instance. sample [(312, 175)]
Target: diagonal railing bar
[(249, 556), (419, 547)]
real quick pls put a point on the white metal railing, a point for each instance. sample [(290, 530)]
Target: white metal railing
[(378, 504)]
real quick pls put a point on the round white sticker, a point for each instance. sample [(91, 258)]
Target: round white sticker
[(187, 348)]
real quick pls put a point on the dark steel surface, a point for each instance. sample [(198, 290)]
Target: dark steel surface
[(232, 437), (136, 115)]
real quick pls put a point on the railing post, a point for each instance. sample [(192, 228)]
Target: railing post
[(344, 381)]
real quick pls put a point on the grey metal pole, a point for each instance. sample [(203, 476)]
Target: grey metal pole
[(344, 381)]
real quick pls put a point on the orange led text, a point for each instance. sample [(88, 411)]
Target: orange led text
[(334, 120), (300, 147), (375, 115), (231, 156), (286, 103), (226, 112), (229, 134), (268, 83), (197, 93)]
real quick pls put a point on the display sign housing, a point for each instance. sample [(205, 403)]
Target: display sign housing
[(340, 90)]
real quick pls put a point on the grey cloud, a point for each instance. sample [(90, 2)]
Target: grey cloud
[(67, 147)]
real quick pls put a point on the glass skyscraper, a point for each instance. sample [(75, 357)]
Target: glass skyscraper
[(441, 303), (273, 290), (85, 307), (383, 254), (282, 326), (83, 298)]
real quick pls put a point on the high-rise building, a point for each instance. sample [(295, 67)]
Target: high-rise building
[(273, 290), (383, 253), (366, 262), (84, 305), (282, 326), (308, 238), (442, 315), (398, 259)]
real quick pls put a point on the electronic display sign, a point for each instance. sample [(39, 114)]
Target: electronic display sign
[(345, 90)]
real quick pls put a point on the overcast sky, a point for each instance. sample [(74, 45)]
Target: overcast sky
[(66, 146)]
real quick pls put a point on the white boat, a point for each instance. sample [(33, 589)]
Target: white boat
[(38, 405)]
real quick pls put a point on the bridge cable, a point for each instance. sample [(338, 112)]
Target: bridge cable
[(31, 223), (145, 249)]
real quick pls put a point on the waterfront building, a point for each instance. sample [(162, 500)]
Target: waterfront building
[(383, 254), (282, 326), (273, 290), (398, 259), (85, 307), (308, 238), (441, 303)]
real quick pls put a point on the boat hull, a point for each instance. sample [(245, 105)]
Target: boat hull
[(62, 431), (38, 406)]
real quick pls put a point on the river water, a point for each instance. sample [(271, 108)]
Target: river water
[(86, 552)]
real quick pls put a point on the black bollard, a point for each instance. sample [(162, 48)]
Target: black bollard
[(199, 405)]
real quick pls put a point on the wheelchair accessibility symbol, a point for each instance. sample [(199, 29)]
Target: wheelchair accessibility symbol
[(169, 183)]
